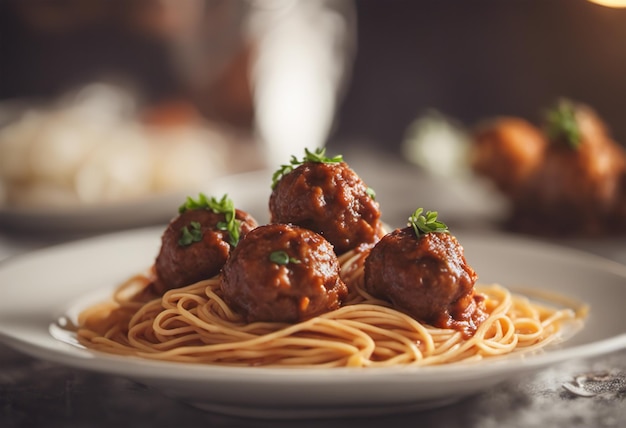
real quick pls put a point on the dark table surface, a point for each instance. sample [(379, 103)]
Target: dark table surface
[(576, 393), (37, 393)]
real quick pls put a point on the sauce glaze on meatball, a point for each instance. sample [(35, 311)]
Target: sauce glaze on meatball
[(583, 180), (427, 277), (179, 264), (508, 150), (330, 199), (569, 173), (282, 273)]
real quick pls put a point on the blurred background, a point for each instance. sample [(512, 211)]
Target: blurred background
[(111, 100), (476, 59), (113, 111)]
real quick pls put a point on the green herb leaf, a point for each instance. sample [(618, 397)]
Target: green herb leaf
[(282, 258), (223, 206), (319, 156), (371, 193), (561, 124), (190, 234), (426, 224)]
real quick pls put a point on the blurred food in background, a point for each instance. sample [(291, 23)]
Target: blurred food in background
[(95, 146), (438, 144), (122, 99), (566, 176)]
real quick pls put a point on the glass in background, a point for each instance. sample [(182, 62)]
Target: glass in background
[(106, 101)]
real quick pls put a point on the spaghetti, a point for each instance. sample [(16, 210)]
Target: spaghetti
[(193, 324)]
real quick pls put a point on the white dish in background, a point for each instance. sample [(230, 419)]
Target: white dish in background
[(39, 288), (249, 190)]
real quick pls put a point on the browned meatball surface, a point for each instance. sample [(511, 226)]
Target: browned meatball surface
[(426, 277), (179, 264), (330, 199), (564, 178), (578, 188), (508, 150), (262, 287)]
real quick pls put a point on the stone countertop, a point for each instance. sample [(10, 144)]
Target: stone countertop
[(34, 393)]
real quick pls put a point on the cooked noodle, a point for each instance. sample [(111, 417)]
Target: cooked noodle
[(193, 324)]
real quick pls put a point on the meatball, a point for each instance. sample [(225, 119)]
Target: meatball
[(330, 199), (568, 174), (577, 189), (183, 261), (508, 150), (426, 277), (584, 178), (282, 273)]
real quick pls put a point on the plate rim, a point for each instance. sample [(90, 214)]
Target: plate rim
[(201, 373)]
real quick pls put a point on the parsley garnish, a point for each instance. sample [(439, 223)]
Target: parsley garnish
[(190, 234), (282, 258), (561, 124), (319, 156), (426, 224), (223, 206)]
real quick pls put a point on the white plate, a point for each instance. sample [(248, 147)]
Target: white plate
[(39, 287), (248, 190)]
